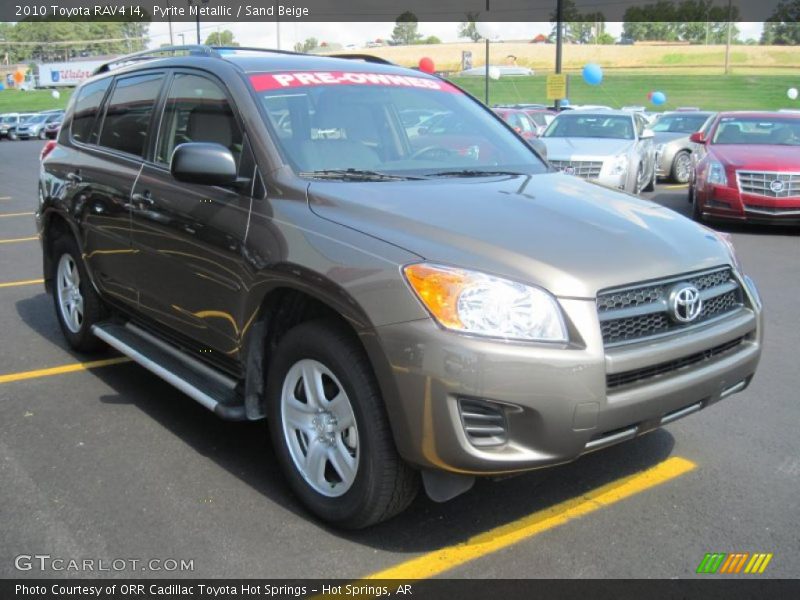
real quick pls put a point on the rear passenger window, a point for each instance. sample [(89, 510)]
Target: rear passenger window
[(128, 114), (197, 110), (86, 108)]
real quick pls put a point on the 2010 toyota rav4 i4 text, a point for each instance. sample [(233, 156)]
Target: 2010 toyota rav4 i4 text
[(262, 230)]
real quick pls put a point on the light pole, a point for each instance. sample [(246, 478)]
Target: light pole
[(183, 38), (559, 40), (191, 2)]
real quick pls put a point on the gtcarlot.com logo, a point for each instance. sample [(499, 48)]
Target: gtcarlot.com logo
[(46, 562), (734, 563)]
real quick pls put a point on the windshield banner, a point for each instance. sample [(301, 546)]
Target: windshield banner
[(277, 81)]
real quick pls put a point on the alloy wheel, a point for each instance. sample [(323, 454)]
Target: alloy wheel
[(319, 427), (70, 300)]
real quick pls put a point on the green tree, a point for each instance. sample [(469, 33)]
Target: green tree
[(469, 28), (432, 39), (579, 27), (606, 39), (406, 29), (783, 27), (307, 46), (221, 38)]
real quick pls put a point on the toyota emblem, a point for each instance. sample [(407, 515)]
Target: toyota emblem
[(569, 170), (685, 304), (776, 186)]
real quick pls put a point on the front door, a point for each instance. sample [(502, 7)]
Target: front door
[(190, 237)]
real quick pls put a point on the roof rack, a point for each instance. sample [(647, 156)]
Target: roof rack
[(164, 51), (215, 52)]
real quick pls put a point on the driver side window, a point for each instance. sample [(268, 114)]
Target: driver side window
[(197, 110)]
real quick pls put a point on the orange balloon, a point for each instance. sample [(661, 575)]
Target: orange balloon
[(19, 77)]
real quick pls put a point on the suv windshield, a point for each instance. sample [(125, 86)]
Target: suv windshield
[(679, 123), (381, 124), (591, 126), (758, 130)]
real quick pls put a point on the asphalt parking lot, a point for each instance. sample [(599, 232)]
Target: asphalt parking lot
[(106, 461)]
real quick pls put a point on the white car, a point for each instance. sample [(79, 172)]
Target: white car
[(612, 147)]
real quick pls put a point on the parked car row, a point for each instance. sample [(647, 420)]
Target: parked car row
[(25, 126)]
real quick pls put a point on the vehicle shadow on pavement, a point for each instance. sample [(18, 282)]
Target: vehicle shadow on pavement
[(244, 450)]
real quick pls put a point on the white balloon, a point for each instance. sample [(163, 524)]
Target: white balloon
[(494, 73), (55, 94), (792, 93)]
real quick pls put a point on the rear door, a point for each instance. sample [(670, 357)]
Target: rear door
[(111, 157), (189, 237)]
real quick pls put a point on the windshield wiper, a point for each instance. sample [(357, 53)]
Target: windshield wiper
[(472, 173), (355, 175)]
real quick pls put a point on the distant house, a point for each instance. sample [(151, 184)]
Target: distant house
[(540, 39)]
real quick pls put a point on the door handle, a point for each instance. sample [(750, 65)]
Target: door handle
[(74, 177), (143, 200)]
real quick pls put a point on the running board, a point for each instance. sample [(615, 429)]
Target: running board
[(212, 389)]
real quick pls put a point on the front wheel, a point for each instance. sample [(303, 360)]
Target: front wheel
[(682, 167), (12, 137), (77, 304), (42, 135), (330, 430)]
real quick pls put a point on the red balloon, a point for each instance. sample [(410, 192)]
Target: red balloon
[(649, 95), (426, 65)]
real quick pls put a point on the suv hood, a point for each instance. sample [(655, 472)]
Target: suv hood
[(577, 148), (559, 232)]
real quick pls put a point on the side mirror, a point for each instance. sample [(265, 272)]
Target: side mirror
[(539, 146), (698, 137), (203, 163), (647, 134)]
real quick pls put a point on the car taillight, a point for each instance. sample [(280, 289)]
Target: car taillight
[(48, 148)]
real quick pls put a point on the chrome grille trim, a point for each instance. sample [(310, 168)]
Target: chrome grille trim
[(758, 183), (588, 169), (640, 311)]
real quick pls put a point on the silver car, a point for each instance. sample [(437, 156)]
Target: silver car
[(673, 147), (612, 147)]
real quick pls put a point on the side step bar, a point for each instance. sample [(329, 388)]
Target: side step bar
[(212, 389)]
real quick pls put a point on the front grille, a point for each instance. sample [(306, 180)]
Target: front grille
[(588, 169), (628, 377), (771, 184), (641, 311), (484, 422)]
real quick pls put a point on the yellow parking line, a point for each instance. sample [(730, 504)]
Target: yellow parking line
[(71, 368), (15, 240), (22, 214), (439, 561), (5, 197), (681, 186), (19, 283)]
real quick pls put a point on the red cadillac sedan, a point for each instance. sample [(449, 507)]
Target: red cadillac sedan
[(749, 168)]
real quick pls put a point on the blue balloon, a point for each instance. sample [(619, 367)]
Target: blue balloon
[(564, 102), (658, 98), (592, 74)]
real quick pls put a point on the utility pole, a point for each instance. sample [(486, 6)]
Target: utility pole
[(169, 20), (559, 40), (728, 44), (486, 78), (277, 34)]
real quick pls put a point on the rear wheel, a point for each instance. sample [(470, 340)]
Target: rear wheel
[(330, 430), (12, 136), (682, 167), (77, 304)]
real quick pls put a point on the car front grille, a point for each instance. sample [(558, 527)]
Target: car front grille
[(641, 311), (617, 380), (771, 184), (588, 169)]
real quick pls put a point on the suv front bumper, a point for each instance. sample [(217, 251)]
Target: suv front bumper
[(555, 399)]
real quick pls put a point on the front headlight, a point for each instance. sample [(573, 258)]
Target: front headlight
[(480, 304), (716, 173), (619, 164)]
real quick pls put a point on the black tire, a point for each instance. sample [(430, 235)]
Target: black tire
[(13, 137), (384, 485), (697, 214), (82, 340), (42, 135), (651, 185), (676, 172)]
